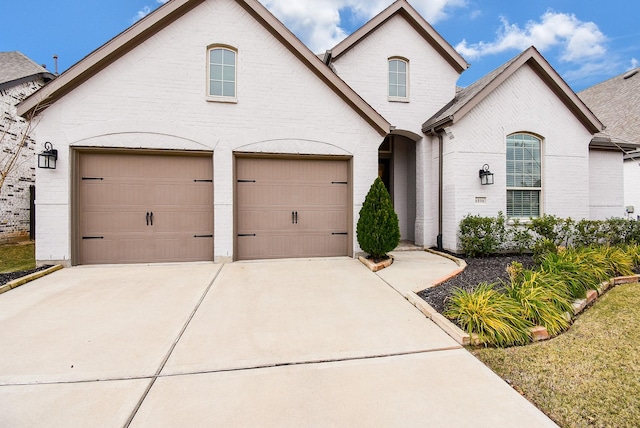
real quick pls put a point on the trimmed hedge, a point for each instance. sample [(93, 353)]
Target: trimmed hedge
[(481, 236)]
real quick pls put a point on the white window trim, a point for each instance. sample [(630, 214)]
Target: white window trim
[(527, 219), (218, 98), (398, 99)]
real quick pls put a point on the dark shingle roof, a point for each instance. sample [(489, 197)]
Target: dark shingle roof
[(16, 66), (466, 99), (617, 103)]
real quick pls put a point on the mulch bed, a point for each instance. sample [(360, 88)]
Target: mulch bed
[(483, 269), (6, 277)]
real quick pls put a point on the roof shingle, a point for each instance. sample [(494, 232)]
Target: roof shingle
[(15, 65), (617, 103)]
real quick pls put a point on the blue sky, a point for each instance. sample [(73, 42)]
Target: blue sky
[(587, 41)]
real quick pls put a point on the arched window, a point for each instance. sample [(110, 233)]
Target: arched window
[(398, 79), (222, 73), (524, 175)]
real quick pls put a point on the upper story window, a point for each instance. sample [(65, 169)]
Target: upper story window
[(524, 175), (398, 79), (222, 73)]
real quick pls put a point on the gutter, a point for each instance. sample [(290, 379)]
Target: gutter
[(431, 128)]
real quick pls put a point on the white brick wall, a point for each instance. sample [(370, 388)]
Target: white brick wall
[(606, 188), (154, 97), (523, 103), (432, 80), (631, 170)]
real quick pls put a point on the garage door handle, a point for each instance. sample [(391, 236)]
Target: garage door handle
[(151, 218), (147, 218), (296, 217)]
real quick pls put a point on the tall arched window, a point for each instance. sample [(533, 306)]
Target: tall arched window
[(222, 73), (524, 175), (398, 79)]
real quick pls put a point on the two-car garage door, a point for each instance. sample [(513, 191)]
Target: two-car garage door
[(141, 208)]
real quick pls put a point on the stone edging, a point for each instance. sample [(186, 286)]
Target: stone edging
[(27, 278), (375, 267), (441, 321)]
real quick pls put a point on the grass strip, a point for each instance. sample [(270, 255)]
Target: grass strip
[(588, 376), (17, 257)]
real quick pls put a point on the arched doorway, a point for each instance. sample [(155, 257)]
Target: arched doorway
[(397, 169)]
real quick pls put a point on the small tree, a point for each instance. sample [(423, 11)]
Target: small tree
[(378, 231)]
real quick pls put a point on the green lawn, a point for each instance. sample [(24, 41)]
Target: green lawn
[(588, 376), (15, 257)]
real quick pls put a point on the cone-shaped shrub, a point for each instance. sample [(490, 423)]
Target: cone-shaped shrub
[(378, 230)]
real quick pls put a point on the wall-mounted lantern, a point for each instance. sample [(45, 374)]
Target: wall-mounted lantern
[(47, 159), (486, 176)]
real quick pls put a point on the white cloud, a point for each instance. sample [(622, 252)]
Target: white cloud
[(634, 64), (146, 10), (142, 13), (317, 22), (578, 40)]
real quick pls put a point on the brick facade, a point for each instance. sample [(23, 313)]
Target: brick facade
[(14, 195)]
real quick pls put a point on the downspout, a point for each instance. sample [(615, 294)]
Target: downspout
[(440, 190)]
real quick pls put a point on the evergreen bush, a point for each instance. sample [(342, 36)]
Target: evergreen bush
[(481, 236), (378, 230)]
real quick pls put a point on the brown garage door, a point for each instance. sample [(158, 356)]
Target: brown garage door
[(138, 208), (292, 208)]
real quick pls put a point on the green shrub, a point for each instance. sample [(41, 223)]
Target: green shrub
[(495, 317), (481, 236), (542, 301), (588, 232), (615, 231), (542, 247), (378, 230), (520, 237), (552, 228)]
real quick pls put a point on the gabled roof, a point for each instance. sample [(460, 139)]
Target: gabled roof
[(16, 67), (164, 16), (617, 102), (404, 9), (469, 97)]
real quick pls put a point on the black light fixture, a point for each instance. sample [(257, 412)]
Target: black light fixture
[(486, 176), (47, 159)]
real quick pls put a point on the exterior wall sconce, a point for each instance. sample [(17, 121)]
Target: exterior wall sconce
[(486, 176), (47, 159)]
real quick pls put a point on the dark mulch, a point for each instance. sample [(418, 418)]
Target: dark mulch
[(484, 269), (6, 277)]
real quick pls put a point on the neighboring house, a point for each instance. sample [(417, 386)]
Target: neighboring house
[(208, 131), (617, 103), (19, 78)]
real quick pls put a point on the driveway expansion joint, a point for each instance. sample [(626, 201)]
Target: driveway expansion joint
[(314, 362), (171, 349)]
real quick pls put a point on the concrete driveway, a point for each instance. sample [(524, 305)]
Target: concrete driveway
[(304, 343)]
